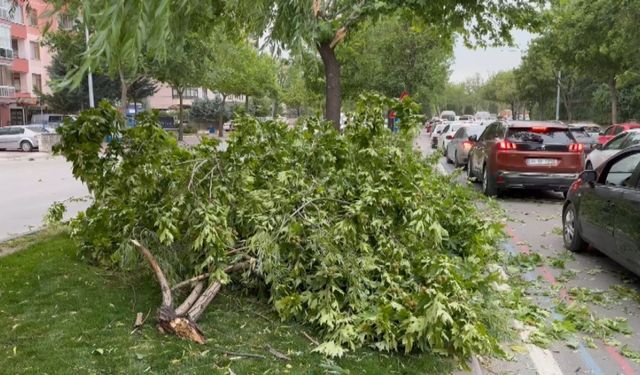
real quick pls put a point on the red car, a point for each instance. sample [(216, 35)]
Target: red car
[(525, 154), (614, 130)]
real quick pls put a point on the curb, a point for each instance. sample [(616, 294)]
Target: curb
[(476, 369)]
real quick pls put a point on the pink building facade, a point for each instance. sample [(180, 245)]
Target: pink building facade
[(23, 60), (167, 98)]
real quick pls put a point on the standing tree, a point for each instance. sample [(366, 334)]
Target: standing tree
[(391, 56), (502, 88), (141, 88), (154, 27), (595, 36), (185, 69), (67, 47)]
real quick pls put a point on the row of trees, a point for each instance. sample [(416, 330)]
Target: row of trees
[(139, 30), (589, 49)]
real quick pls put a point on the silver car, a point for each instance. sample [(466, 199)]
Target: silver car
[(19, 138)]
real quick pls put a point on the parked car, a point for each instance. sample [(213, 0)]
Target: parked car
[(448, 115), (582, 135), (462, 142), (592, 128), (436, 133), (466, 118), (52, 119), (19, 138), (483, 115), (525, 154), (614, 130), (602, 209), (447, 135), (604, 152)]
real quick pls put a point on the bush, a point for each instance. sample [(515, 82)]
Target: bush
[(353, 234)]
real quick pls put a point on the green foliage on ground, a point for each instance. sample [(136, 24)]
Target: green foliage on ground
[(62, 316), (354, 234)]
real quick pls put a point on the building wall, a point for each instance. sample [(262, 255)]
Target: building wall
[(24, 64), (164, 98)]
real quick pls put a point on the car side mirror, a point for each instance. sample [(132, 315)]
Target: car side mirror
[(439, 132), (589, 176), (473, 138)]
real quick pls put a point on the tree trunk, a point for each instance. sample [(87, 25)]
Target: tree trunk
[(180, 127), (513, 111), (274, 108), (613, 90), (221, 117), (333, 90), (124, 88)]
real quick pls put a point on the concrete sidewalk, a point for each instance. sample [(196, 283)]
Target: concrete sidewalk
[(24, 156)]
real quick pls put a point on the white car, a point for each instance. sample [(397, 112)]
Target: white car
[(447, 134), (604, 152), (437, 130), (19, 138), (448, 115)]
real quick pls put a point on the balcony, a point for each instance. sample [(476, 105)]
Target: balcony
[(7, 92), (18, 31), (20, 65)]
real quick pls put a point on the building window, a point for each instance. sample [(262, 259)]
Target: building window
[(189, 93), (65, 21), (35, 50), (37, 83), (10, 10), (17, 83), (33, 17), (17, 116)]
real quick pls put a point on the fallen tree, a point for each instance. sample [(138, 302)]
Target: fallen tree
[(353, 234)]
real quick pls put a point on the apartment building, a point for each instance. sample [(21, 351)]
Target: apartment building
[(167, 97), (23, 60)]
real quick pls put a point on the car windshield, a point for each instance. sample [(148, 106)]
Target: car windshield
[(542, 135), (475, 130)]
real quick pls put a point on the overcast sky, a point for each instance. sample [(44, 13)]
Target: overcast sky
[(468, 62)]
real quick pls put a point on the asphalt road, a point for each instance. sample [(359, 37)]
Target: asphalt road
[(534, 225), (29, 184)]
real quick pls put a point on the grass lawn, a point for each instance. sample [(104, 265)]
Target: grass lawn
[(59, 315)]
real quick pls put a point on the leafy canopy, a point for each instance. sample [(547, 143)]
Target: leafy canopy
[(354, 234)]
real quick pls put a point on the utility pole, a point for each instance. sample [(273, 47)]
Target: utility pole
[(558, 96), (92, 103)]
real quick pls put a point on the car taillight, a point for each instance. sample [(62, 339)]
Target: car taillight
[(576, 147), (506, 145), (449, 137), (467, 145)]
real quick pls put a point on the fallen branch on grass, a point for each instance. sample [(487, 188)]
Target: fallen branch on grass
[(182, 320)]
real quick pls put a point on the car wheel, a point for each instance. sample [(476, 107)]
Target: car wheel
[(570, 233), (456, 163), (589, 166), (446, 156), (26, 146), (488, 183), (469, 170)]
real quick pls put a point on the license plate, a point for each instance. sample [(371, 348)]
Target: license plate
[(537, 162)]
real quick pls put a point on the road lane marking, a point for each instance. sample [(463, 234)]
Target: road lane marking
[(538, 355)]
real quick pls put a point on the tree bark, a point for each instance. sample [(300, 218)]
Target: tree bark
[(167, 300), (221, 117), (124, 89), (180, 127), (333, 90), (613, 91)]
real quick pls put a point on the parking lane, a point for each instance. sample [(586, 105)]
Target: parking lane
[(535, 225)]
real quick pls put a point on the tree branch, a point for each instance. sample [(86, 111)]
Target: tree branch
[(162, 280), (190, 300)]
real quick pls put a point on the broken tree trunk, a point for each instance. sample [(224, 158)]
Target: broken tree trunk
[(182, 321)]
